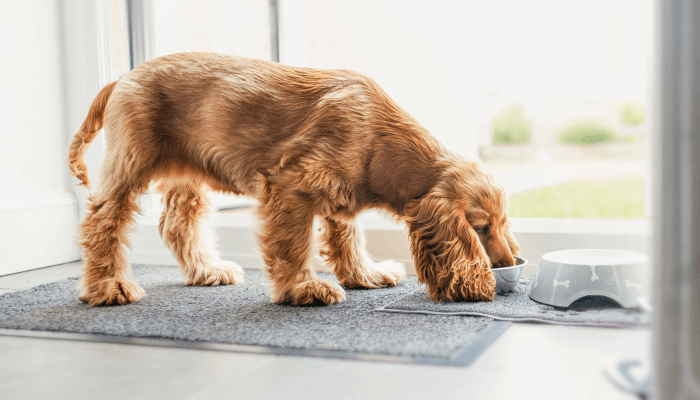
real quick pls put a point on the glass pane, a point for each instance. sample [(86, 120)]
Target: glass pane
[(551, 95), (118, 39), (240, 27)]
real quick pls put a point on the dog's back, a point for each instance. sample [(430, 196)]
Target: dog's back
[(227, 119), (231, 117)]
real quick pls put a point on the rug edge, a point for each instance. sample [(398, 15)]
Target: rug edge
[(463, 357)]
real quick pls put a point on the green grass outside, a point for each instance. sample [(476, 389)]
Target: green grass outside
[(587, 133), (609, 199)]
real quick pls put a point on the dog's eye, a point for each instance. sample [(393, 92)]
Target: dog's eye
[(483, 229)]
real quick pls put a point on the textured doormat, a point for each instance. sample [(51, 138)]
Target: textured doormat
[(518, 307), (242, 318)]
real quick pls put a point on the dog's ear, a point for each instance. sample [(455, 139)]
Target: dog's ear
[(447, 252)]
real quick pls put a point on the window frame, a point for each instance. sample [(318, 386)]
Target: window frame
[(676, 232)]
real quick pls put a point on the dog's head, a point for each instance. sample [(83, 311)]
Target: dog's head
[(458, 231)]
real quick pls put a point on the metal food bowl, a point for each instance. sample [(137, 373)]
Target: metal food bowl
[(508, 278), (567, 275)]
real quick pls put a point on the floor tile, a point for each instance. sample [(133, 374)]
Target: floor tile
[(58, 369), (307, 378)]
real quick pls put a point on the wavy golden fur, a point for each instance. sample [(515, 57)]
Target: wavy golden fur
[(306, 143)]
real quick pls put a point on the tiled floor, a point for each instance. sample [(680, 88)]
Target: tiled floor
[(528, 361)]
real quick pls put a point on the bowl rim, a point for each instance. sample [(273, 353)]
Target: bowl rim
[(633, 257), (523, 262)]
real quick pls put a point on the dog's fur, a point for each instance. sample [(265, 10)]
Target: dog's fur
[(305, 143)]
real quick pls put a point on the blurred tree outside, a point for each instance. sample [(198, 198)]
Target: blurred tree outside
[(587, 132), (510, 127), (633, 115)]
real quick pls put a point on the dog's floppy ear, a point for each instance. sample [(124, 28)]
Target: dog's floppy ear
[(447, 252)]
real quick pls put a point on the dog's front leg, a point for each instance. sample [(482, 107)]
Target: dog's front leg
[(344, 250), (286, 246)]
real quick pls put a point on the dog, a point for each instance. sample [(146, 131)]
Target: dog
[(304, 142)]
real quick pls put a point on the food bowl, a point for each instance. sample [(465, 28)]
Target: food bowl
[(508, 278), (567, 275)]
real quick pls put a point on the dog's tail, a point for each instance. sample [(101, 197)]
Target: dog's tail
[(91, 127)]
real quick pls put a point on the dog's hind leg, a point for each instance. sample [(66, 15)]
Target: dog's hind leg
[(286, 248), (191, 242), (343, 248), (105, 239)]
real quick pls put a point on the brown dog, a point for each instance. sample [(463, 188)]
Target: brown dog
[(305, 143)]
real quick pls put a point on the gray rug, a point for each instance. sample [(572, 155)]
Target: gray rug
[(243, 315), (518, 307)]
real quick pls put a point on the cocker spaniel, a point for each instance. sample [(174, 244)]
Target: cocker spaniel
[(304, 142)]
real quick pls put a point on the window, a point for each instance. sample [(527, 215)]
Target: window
[(550, 95)]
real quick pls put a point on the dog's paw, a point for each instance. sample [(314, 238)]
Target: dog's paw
[(111, 292), (481, 287), (221, 273), (313, 292), (376, 275)]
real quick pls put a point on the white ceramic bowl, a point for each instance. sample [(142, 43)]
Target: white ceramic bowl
[(568, 275)]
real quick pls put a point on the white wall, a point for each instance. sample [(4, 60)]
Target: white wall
[(38, 213), (33, 151)]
